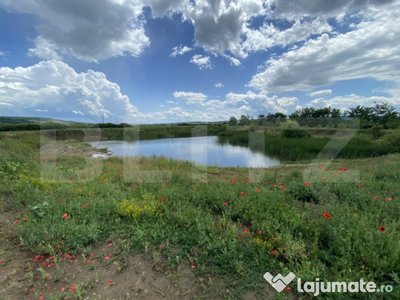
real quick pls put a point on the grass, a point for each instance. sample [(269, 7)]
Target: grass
[(233, 223), (350, 145)]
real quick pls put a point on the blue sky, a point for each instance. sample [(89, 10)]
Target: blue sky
[(161, 61)]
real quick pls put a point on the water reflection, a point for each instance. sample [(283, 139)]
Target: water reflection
[(201, 150)]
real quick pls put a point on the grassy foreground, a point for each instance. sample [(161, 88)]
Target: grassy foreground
[(336, 221)]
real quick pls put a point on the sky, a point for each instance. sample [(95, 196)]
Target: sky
[(167, 61)]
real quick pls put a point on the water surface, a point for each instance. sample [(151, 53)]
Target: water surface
[(201, 150)]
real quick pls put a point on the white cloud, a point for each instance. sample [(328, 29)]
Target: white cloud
[(180, 50), (2, 53), (233, 61), (269, 36), (370, 50), (44, 49), (353, 100), (203, 62), (292, 9), (262, 103), (88, 30), (190, 97), (322, 93), (219, 85), (160, 8), (220, 24), (55, 87)]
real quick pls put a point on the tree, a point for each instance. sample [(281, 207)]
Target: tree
[(232, 121), (364, 114), (244, 120), (384, 114)]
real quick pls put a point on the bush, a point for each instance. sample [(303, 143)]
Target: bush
[(147, 206), (292, 129)]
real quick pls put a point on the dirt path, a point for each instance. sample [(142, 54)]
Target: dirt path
[(55, 148)]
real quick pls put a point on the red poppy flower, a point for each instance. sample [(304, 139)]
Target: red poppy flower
[(360, 185), (73, 288), (328, 216), (64, 215), (273, 251), (382, 229), (376, 198), (110, 282), (388, 199), (306, 183), (288, 288), (257, 189), (225, 203), (16, 221), (102, 180), (243, 194), (85, 205), (23, 219), (193, 267)]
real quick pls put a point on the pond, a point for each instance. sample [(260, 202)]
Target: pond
[(200, 150)]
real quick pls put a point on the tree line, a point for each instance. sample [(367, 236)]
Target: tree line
[(380, 116)]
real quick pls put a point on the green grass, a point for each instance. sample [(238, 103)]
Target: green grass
[(225, 222), (272, 144)]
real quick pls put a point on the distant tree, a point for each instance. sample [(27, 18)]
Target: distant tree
[(261, 119), (364, 114), (385, 115), (244, 120), (232, 121)]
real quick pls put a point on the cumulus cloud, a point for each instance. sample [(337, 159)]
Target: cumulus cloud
[(2, 53), (262, 103), (233, 61), (159, 8), (44, 49), (370, 50), (204, 62), (53, 86), (190, 97), (291, 8), (269, 35), (322, 93), (180, 50), (88, 30), (352, 100), (219, 85)]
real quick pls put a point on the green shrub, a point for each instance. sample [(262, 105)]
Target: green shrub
[(292, 129)]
